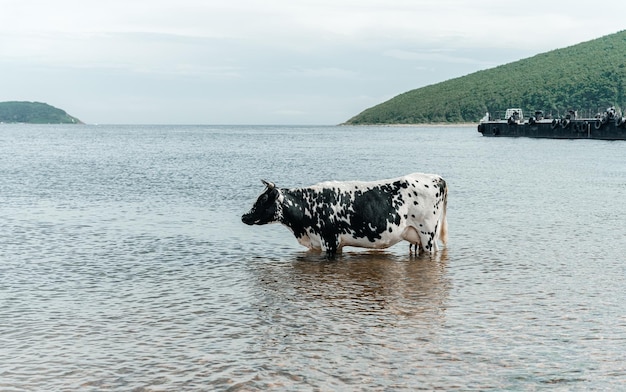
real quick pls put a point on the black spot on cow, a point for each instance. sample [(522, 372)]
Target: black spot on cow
[(372, 210)]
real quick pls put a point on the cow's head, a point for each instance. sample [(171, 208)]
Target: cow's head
[(265, 209)]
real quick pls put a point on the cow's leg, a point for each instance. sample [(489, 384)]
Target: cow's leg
[(331, 251), (428, 241), (330, 244)]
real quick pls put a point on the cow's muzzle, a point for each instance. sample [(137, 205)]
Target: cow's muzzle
[(247, 219)]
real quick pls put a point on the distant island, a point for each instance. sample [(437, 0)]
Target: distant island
[(588, 77), (34, 113)]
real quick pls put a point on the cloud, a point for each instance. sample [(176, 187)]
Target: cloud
[(327, 73), (447, 56)]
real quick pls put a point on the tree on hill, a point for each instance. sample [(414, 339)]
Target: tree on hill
[(588, 77), (34, 113)]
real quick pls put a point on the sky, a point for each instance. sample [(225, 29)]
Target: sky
[(310, 62)]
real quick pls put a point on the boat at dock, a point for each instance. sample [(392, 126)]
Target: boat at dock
[(610, 125)]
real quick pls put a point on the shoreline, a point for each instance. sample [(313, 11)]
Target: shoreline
[(429, 125)]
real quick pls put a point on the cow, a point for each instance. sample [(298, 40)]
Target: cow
[(378, 214)]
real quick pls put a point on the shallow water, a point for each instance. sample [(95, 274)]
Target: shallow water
[(124, 264)]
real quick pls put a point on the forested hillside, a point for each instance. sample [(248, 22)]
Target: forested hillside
[(34, 113), (587, 77)]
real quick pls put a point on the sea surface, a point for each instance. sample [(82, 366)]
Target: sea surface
[(124, 265)]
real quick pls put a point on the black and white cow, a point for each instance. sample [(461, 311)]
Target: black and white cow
[(377, 214)]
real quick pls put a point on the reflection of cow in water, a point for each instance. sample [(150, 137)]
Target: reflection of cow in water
[(377, 214)]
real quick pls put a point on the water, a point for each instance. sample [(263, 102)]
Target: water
[(124, 264)]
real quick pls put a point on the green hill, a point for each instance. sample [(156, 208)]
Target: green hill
[(588, 77), (34, 113)]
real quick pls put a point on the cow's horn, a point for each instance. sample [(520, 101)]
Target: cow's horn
[(269, 185)]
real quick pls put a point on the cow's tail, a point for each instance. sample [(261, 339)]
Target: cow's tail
[(443, 233)]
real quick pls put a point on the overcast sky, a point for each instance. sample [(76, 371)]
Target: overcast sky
[(267, 61)]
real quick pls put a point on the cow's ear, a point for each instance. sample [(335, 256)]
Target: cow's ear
[(269, 185)]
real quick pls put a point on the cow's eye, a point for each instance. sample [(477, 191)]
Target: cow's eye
[(263, 198)]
